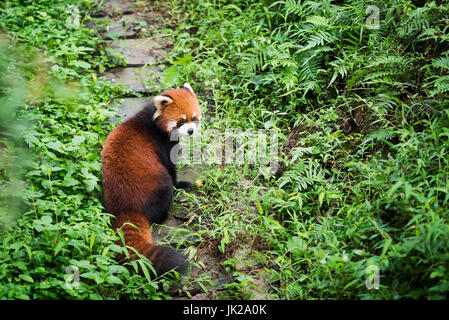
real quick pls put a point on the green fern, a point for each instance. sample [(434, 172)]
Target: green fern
[(439, 83), (441, 62), (301, 175)]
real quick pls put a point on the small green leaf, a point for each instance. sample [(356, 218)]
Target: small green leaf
[(80, 64), (31, 140), (92, 240), (69, 182), (77, 140), (26, 278), (386, 246), (114, 280), (56, 145), (259, 207), (46, 220), (296, 244), (92, 276), (321, 198), (144, 269)]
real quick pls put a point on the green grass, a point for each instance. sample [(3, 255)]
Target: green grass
[(363, 185)]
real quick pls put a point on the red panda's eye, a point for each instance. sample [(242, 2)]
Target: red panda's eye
[(180, 122)]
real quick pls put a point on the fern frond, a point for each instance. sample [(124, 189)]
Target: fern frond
[(441, 62), (417, 21), (341, 67), (318, 21), (388, 60)]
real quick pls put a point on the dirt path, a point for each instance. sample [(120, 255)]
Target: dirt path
[(133, 31)]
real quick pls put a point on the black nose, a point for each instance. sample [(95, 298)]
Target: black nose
[(190, 131)]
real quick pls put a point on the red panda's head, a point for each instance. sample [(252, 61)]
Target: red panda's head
[(178, 111)]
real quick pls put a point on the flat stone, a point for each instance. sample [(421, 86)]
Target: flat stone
[(129, 107), (119, 7), (138, 52), (124, 27), (134, 79), (120, 30)]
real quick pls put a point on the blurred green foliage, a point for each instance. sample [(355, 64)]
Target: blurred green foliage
[(56, 240)]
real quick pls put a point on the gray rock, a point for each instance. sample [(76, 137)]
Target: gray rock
[(129, 107), (124, 27), (134, 79), (138, 52), (119, 7), (120, 30)]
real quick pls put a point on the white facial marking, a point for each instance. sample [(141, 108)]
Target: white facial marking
[(156, 114), (183, 116), (171, 125), (183, 130)]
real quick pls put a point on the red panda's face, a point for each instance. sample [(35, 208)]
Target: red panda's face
[(178, 111)]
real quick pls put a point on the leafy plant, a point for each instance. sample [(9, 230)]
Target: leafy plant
[(60, 244), (364, 174)]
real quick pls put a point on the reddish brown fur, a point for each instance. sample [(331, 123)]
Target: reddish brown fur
[(137, 178), (131, 166), (136, 232), (137, 169)]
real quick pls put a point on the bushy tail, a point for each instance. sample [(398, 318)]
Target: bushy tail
[(136, 232)]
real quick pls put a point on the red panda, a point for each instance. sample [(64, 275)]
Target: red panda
[(138, 175)]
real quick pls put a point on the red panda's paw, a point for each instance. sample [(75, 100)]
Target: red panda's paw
[(185, 185)]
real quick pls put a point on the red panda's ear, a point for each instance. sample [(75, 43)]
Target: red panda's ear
[(160, 102), (188, 87)]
